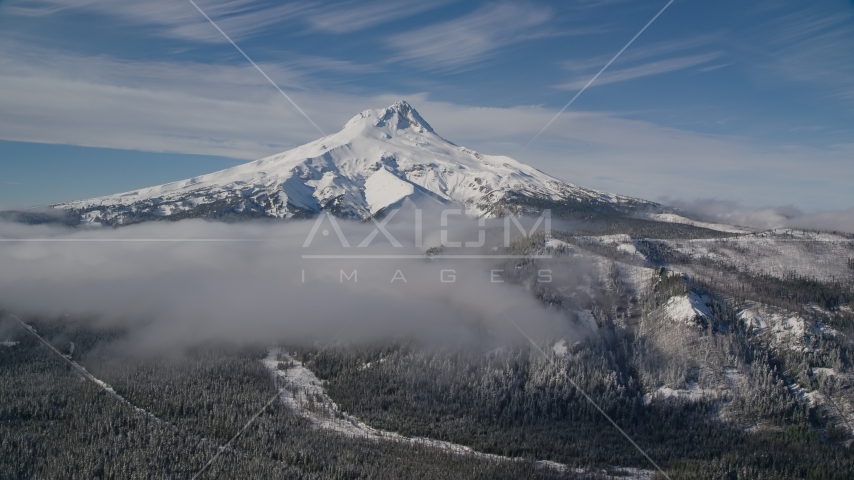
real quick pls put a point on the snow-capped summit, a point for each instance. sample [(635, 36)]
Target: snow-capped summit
[(378, 159), (400, 115)]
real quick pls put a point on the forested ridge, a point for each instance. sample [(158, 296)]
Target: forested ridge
[(55, 425), (511, 401), (755, 385)]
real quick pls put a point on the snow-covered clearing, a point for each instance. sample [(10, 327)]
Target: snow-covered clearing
[(783, 329), (688, 309), (673, 218), (777, 253), (303, 393), (636, 278), (556, 244), (620, 242), (692, 393)]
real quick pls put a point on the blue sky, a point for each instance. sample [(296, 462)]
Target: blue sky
[(751, 102)]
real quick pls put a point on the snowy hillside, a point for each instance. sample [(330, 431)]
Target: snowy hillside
[(777, 253), (378, 159)]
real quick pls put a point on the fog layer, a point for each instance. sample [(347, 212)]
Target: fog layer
[(786, 216), (185, 283)]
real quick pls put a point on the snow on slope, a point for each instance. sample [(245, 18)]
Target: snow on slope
[(383, 189), (784, 329), (302, 392), (688, 309), (620, 241), (674, 218), (378, 158), (692, 393), (556, 244), (776, 253)]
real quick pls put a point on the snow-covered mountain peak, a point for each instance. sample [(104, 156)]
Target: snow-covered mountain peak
[(399, 116), (379, 159)]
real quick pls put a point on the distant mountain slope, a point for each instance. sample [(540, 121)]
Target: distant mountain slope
[(378, 159)]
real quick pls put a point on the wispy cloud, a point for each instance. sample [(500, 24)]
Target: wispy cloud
[(151, 105), (228, 111), (471, 38), (813, 45), (353, 16), (712, 68), (645, 70), (597, 3), (40, 8), (178, 19), (239, 18), (314, 64), (642, 52), (645, 60)]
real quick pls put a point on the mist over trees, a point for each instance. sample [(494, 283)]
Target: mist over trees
[(754, 381)]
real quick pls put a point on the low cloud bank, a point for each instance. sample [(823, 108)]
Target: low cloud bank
[(786, 216), (190, 282)]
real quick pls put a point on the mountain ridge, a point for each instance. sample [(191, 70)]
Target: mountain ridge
[(378, 158)]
